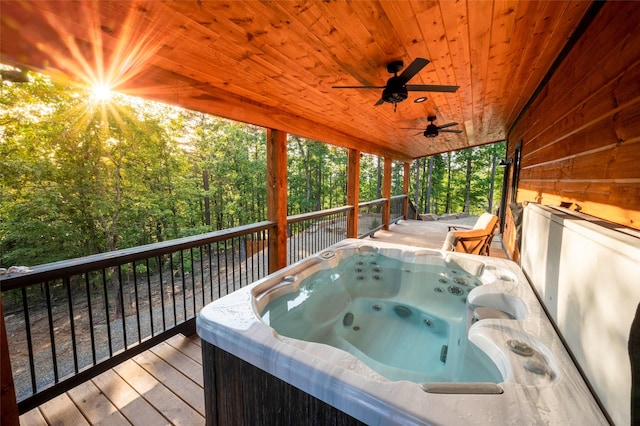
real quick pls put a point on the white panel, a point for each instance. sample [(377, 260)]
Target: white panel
[(588, 277)]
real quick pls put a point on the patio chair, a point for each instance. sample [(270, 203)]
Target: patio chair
[(475, 240)]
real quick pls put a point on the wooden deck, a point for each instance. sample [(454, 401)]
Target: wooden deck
[(164, 385), (431, 234)]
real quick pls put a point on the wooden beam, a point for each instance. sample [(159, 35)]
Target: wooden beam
[(386, 192), (353, 192), (277, 197)]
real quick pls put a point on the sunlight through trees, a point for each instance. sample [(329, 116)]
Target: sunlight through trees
[(84, 171)]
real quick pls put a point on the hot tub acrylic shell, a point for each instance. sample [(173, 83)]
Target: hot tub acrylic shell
[(544, 388)]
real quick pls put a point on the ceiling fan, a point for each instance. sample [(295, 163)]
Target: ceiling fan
[(396, 89), (432, 130)]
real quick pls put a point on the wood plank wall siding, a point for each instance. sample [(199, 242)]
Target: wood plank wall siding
[(581, 135), (273, 63)]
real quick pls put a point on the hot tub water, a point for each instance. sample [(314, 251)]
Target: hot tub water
[(406, 321)]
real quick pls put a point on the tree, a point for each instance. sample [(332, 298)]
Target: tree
[(78, 176), (73, 170), (458, 181)]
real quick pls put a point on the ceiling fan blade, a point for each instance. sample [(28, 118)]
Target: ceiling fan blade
[(411, 128), (419, 133), (380, 102), (358, 87), (430, 88), (447, 125), (413, 69), (451, 131)]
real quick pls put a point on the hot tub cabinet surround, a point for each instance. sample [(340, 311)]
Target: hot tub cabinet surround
[(254, 375)]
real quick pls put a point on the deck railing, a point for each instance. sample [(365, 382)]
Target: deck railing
[(397, 208), (311, 232), (71, 320), (68, 321), (370, 214)]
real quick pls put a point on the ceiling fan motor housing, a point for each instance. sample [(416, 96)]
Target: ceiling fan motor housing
[(431, 131), (395, 91)]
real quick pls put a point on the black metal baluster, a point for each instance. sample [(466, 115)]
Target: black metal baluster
[(27, 324), (164, 319), (266, 261), (253, 252), (106, 307), (135, 291), (66, 281), (184, 288), (124, 322), (210, 255), (218, 268), (202, 274), (173, 290), (90, 308), (233, 263), (51, 332), (293, 242), (193, 282), (265, 235), (151, 325), (226, 266), (244, 261)]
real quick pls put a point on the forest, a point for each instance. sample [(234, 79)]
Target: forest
[(84, 171)]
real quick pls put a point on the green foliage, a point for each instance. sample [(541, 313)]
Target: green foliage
[(79, 176), (460, 181), (316, 175)]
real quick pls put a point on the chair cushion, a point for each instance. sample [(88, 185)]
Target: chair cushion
[(483, 221)]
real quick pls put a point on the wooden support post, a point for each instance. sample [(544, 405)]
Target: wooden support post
[(10, 416), (386, 192), (277, 197), (353, 192), (405, 190)]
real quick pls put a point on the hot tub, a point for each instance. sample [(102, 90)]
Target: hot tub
[(387, 334)]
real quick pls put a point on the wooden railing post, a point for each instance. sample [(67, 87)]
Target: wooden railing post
[(405, 191), (386, 193), (10, 416), (353, 192), (277, 197)]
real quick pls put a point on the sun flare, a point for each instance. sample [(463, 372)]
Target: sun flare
[(101, 93)]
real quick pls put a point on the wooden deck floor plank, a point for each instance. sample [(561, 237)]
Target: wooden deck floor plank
[(181, 385), (180, 362), (173, 408), (187, 346), (95, 406), (195, 339), (131, 404), (62, 411), (33, 418)]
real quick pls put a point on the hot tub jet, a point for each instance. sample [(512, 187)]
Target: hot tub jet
[(402, 311)]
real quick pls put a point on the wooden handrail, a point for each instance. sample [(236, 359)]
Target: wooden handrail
[(64, 268), (317, 215)]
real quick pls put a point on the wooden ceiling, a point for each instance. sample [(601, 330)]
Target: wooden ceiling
[(274, 63)]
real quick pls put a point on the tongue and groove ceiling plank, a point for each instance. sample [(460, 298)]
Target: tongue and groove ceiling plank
[(274, 63)]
